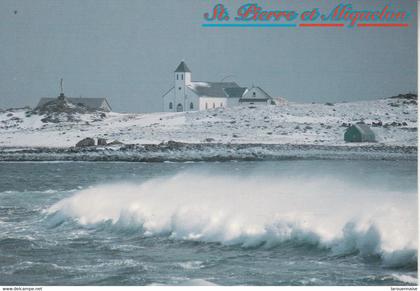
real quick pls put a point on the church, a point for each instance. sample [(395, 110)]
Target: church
[(188, 95)]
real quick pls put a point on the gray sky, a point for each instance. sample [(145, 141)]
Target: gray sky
[(127, 51)]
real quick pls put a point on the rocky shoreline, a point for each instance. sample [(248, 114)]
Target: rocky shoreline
[(182, 152)]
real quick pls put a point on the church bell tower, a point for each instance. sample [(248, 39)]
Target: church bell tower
[(182, 74), (182, 77)]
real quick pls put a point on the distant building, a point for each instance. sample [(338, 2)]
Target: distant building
[(359, 133), (91, 103), (256, 96), (188, 95)]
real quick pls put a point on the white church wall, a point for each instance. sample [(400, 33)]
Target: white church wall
[(183, 97), (191, 98), (168, 98), (179, 92), (212, 102)]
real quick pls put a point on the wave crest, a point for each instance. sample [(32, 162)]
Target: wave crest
[(256, 212)]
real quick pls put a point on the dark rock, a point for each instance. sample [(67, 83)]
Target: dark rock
[(86, 142), (129, 146), (209, 139), (50, 119), (409, 96), (414, 102), (115, 142)]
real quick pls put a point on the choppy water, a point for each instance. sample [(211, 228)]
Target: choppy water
[(254, 223)]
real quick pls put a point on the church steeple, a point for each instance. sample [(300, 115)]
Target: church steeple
[(182, 68), (182, 74)]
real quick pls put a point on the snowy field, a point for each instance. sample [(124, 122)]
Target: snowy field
[(293, 123)]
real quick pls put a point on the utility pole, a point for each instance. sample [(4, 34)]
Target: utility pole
[(61, 86)]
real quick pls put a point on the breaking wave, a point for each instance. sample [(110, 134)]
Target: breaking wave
[(257, 211)]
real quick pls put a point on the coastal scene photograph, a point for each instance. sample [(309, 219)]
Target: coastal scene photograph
[(208, 143)]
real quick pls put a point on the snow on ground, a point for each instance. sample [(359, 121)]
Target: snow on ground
[(293, 123)]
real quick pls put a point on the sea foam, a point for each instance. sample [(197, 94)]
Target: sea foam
[(258, 211)]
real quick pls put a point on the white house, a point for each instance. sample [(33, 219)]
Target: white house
[(256, 96), (187, 95)]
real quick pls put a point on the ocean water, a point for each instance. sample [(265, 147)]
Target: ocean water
[(307, 222)]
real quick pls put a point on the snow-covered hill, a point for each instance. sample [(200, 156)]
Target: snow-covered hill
[(394, 119)]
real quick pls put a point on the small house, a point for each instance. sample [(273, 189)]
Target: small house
[(359, 132), (256, 96), (90, 103)]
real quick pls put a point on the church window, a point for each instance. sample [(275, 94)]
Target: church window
[(177, 76), (191, 105), (179, 88), (221, 104), (182, 77), (170, 105), (254, 94)]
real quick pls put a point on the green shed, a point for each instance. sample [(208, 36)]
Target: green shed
[(359, 132)]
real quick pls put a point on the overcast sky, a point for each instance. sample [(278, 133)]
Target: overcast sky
[(127, 50)]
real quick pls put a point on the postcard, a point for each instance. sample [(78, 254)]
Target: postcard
[(208, 143)]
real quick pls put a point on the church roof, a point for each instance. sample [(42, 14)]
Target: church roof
[(235, 91), (182, 68), (217, 89)]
